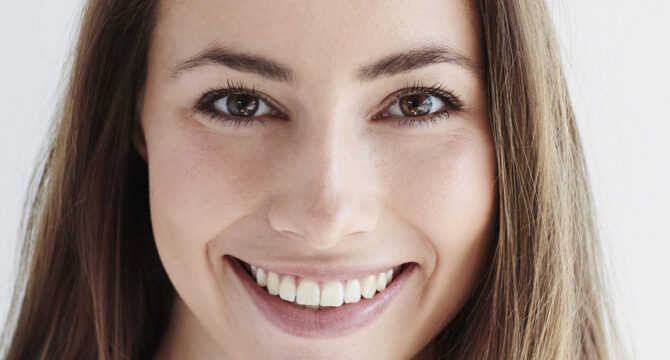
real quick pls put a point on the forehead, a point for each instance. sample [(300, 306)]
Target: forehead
[(315, 36)]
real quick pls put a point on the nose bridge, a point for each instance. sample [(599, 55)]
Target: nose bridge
[(326, 199)]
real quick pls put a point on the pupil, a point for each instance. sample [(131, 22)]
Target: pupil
[(242, 104), (416, 105)]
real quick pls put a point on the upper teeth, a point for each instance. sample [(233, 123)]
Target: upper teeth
[(312, 294)]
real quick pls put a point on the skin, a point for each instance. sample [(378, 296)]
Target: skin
[(326, 185)]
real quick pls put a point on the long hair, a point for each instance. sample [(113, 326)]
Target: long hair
[(545, 295), (91, 284)]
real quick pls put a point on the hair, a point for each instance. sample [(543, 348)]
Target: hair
[(91, 284)]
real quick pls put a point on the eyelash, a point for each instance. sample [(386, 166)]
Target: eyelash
[(452, 103)]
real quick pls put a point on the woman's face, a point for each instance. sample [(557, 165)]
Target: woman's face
[(360, 145)]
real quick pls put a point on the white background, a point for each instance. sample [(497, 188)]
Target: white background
[(616, 55)]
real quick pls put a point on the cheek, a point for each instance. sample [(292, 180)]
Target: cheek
[(448, 189), (452, 201), (198, 185)]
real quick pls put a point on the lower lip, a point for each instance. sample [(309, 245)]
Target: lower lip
[(324, 322)]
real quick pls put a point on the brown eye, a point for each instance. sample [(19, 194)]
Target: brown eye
[(242, 104), (415, 104), (238, 106)]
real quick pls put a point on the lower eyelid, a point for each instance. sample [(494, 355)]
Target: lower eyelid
[(211, 112)]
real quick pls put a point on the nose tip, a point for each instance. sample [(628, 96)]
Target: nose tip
[(324, 193), (321, 225)]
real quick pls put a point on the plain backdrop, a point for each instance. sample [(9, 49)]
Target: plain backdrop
[(616, 56)]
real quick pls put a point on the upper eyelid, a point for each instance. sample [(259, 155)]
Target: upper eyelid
[(212, 93), (389, 100), (438, 90), (451, 99), (209, 97)]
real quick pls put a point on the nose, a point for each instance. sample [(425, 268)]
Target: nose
[(328, 191)]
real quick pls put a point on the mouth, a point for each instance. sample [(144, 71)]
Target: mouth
[(323, 307)]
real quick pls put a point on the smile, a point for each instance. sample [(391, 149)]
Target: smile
[(323, 308), (313, 294)]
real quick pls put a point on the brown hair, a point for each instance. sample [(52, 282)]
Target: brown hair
[(92, 285)]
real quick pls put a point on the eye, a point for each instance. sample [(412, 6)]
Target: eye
[(236, 105), (243, 105), (416, 105)]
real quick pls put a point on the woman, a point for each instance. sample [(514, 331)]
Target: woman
[(313, 180)]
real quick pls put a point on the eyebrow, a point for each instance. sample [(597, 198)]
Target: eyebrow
[(413, 59), (237, 61), (393, 64)]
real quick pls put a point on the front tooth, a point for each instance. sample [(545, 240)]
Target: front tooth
[(273, 283), (261, 277), (389, 276), (332, 294), (381, 281), (352, 292), (308, 293), (368, 286), (287, 288)]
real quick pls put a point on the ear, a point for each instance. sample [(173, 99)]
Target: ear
[(138, 140)]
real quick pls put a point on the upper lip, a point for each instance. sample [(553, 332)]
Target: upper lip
[(323, 272)]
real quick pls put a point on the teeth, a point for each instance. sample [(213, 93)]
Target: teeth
[(331, 294), (273, 283), (368, 286), (308, 293), (352, 293), (381, 281), (261, 277), (287, 288)]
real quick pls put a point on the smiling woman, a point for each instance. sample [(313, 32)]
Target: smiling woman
[(265, 182)]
